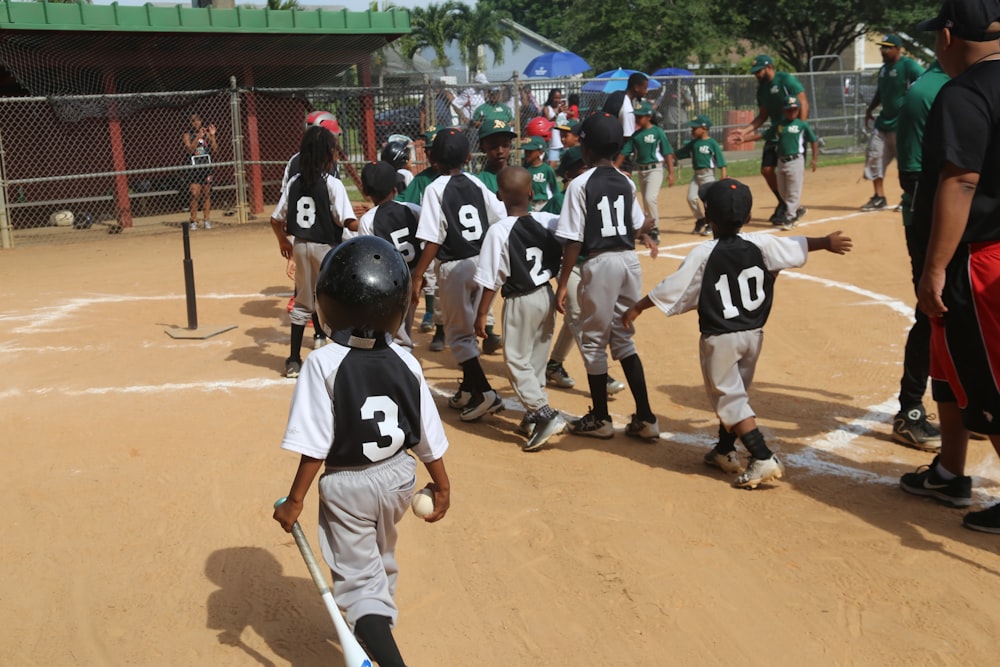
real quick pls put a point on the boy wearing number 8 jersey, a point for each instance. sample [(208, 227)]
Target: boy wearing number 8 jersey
[(600, 220), (456, 211), (730, 280)]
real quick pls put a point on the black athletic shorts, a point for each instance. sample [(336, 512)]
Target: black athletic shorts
[(769, 158)]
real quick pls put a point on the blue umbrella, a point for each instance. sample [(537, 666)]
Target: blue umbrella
[(673, 71), (609, 82), (556, 64)]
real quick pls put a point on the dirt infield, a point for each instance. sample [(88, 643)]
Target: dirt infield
[(141, 470)]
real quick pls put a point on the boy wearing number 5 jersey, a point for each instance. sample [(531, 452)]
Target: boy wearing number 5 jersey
[(456, 210), (730, 280), (600, 220)]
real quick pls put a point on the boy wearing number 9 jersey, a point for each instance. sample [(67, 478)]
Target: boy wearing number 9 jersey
[(456, 210), (600, 220), (730, 280)]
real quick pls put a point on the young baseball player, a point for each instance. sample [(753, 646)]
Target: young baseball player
[(706, 154), (543, 176), (393, 221), (455, 214), (730, 280), (791, 135), (600, 220), (361, 405), (495, 139), (520, 255), (321, 212), (652, 152), (397, 153)]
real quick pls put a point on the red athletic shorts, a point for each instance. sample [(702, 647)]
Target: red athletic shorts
[(965, 343)]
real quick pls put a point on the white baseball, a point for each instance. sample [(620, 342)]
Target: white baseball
[(422, 503)]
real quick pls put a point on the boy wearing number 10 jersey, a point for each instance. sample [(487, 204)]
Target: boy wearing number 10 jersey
[(730, 280), (600, 220)]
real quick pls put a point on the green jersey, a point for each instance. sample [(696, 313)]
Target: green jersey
[(489, 179), (543, 181), (772, 95), (893, 80), (489, 112), (791, 136), (912, 116), (414, 192), (704, 153), (650, 145)]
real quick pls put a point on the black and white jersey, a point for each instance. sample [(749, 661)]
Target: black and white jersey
[(355, 405), (730, 280), (456, 211), (600, 210), (292, 168), (315, 214), (520, 254), (396, 223)]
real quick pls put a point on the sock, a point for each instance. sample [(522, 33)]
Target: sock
[(317, 328), (473, 377), (489, 329), (375, 634), (727, 441), (754, 442), (599, 395), (298, 330), (428, 307), (439, 331), (942, 472), (636, 379)]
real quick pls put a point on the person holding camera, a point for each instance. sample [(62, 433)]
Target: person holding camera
[(200, 143), (555, 110)]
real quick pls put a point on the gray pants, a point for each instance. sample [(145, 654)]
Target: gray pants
[(609, 284), (650, 182), (700, 177), (307, 257), (880, 152), (459, 297), (528, 321), (358, 512), (791, 176), (569, 333), (728, 363)]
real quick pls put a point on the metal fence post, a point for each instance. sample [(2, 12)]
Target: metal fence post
[(239, 167)]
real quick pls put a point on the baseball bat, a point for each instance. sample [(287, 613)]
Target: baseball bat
[(354, 655)]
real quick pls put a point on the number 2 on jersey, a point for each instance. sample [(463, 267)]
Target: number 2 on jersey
[(750, 278)]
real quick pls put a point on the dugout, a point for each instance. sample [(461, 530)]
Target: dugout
[(86, 113)]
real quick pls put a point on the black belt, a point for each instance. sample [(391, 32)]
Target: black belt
[(647, 167), (789, 158)]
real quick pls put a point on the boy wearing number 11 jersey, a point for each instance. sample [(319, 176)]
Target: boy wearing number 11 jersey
[(730, 280)]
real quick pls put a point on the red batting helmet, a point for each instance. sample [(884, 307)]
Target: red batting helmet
[(323, 119), (539, 126)]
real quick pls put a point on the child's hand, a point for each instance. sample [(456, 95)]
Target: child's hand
[(442, 501), (628, 317), (287, 513), (736, 137), (840, 243), (813, 163), (670, 180), (290, 269), (651, 245), (561, 294), (480, 325)]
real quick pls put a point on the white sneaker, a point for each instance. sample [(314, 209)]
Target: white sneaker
[(208, 225), (644, 430), (460, 400), (614, 386), (593, 427), (760, 471), (489, 404), (543, 431), (728, 462), (193, 225)]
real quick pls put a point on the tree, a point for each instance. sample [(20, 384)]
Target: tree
[(546, 18), (483, 26), (283, 4), (434, 27)]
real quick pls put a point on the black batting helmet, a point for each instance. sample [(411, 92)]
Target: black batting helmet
[(363, 286), (395, 153)]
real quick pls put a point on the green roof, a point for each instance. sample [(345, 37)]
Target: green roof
[(183, 19)]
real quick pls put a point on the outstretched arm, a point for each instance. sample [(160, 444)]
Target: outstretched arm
[(835, 242)]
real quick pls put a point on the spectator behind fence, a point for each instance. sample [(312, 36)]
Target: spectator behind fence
[(199, 144)]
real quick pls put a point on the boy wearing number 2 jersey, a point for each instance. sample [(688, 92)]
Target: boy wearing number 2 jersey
[(730, 280), (455, 213), (600, 220)]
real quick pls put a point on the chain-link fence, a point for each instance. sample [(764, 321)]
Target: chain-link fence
[(75, 165)]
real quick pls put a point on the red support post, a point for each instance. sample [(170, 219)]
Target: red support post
[(256, 179), (124, 202), (367, 112)]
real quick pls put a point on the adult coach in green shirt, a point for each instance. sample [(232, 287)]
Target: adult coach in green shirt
[(773, 90), (894, 77)]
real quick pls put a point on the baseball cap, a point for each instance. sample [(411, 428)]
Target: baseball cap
[(568, 125), (966, 19), (493, 126), (701, 120), (601, 129), (378, 178), (891, 41), (727, 202), (791, 102), (642, 108), (760, 62), (569, 159), (450, 147), (533, 144)]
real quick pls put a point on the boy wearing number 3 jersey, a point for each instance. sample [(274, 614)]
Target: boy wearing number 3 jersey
[(456, 211), (730, 280), (600, 220)]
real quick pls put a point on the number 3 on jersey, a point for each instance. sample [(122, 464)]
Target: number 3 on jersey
[(386, 413), (750, 288)]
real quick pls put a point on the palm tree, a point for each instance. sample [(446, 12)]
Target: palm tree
[(283, 4), (483, 27), (434, 26)]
